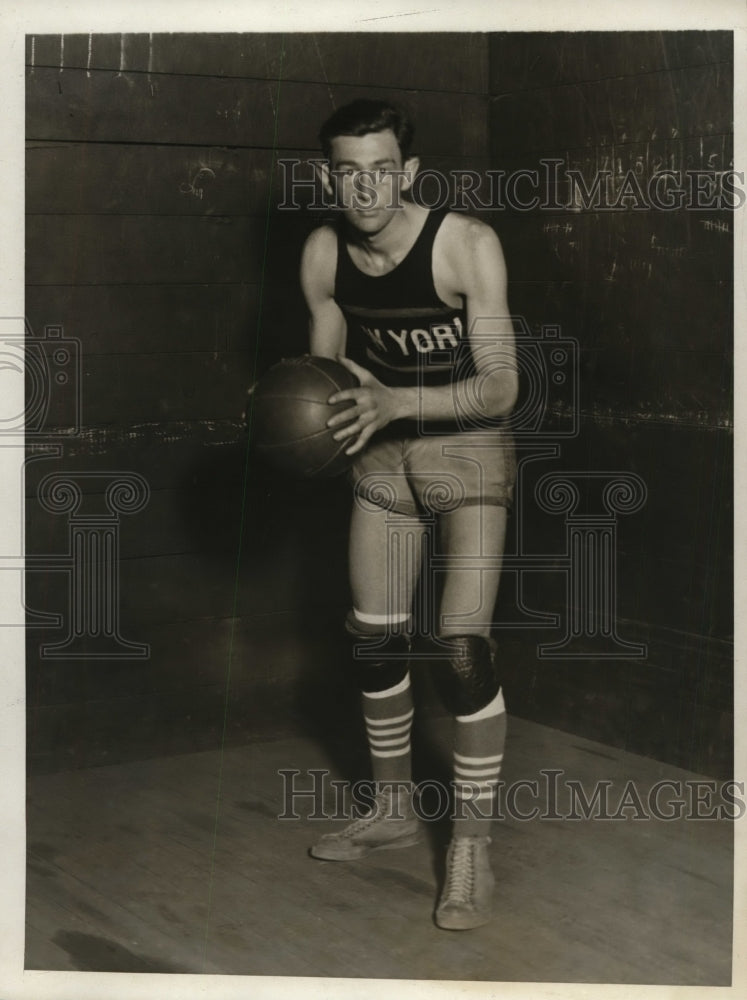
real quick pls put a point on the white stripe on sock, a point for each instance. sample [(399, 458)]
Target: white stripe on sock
[(477, 761), (391, 619), (391, 721), (495, 707), (390, 692), (484, 765), (398, 741), (397, 733), (390, 753), (475, 772), (482, 783)]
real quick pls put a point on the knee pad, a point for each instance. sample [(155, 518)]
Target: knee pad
[(380, 658), (469, 679)]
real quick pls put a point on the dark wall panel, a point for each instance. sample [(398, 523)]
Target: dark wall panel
[(443, 61), (664, 105), (646, 294), (153, 319), (136, 249), (227, 112), (525, 60), (153, 180)]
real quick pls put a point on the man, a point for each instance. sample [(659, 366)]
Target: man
[(420, 297)]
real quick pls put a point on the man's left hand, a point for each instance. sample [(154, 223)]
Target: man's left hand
[(375, 407)]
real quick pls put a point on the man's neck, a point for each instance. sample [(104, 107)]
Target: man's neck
[(389, 241)]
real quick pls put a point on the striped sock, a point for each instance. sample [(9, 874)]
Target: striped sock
[(388, 716), (478, 755)]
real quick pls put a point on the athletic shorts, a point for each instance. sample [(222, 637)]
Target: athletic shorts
[(436, 473)]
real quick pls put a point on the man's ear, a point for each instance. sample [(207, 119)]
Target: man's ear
[(321, 168), (410, 167)]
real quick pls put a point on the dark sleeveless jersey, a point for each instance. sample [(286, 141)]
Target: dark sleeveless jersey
[(398, 327)]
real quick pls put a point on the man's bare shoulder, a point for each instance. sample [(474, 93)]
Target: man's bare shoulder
[(470, 247), (321, 241), (466, 233), (319, 256)]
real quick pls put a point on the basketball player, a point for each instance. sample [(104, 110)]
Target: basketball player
[(420, 297)]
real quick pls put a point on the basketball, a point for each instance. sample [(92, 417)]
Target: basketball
[(288, 413)]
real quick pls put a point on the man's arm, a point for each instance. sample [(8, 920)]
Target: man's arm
[(492, 391), (480, 275), (327, 327)]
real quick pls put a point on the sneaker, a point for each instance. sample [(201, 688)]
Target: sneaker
[(391, 823), (467, 898)]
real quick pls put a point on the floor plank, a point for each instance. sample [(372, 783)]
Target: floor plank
[(181, 865)]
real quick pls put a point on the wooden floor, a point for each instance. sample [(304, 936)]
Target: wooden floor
[(181, 865)]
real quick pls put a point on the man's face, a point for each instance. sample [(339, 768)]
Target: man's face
[(366, 178)]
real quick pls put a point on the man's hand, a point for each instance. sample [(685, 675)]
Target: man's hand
[(375, 407)]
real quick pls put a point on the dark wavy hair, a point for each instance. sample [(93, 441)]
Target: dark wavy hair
[(363, 116)]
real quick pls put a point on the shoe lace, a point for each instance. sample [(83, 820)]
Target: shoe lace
[(375, 814), (460, 878)]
